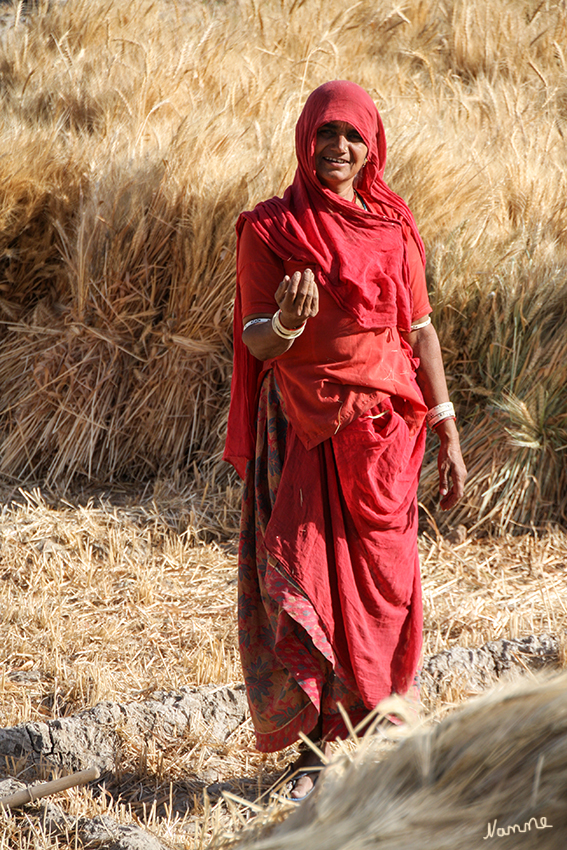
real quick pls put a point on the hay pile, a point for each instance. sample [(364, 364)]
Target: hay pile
[(116, 244), (495, 771), (131, 136)]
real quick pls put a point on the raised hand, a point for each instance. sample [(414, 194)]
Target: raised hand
[(298, 298)]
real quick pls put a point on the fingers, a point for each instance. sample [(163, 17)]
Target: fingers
[(298, 297), (444, 479), (452, 477), (449, 501), (281, 290), (300, 292), (452, 497), (314, 298)]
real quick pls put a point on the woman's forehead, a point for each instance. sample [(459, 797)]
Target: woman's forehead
[(337, 125)]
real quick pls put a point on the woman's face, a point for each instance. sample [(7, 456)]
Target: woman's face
[(339, 155)]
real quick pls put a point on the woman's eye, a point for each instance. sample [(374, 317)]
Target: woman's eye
[(355, 137)]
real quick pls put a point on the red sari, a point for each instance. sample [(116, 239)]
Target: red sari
[(329, 437)]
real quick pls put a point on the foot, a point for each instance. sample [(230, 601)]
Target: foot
[(305, 777)]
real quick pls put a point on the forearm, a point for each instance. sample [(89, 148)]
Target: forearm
[(263, 343), (431, 375), (431, 379)]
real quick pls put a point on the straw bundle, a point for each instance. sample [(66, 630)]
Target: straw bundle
[(491, 771), (132, 137)]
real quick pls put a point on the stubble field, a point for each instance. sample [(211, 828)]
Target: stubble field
[(113, 603)]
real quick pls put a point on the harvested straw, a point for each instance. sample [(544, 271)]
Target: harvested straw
[(130, 140), (492, 771), (113, 602)]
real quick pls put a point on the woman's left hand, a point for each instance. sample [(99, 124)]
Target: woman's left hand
[(452, 469)]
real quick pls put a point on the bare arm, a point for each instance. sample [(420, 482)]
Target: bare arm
[(431, 380), (298, 299)]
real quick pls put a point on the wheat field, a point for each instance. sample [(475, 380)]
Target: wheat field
[(131, 135), (131, 138)]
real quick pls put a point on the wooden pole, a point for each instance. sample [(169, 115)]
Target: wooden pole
[(43, 789)]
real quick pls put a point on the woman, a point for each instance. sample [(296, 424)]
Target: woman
[(336, 369)]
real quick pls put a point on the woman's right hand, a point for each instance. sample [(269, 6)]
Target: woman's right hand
[(298, 298)]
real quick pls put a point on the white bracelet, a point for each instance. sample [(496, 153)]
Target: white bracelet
[(441, 418), (281, 330), (440, 412), (421, 324), (255, 322)]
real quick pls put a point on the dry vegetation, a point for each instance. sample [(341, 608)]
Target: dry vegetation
[(130, 137), (100, 602)]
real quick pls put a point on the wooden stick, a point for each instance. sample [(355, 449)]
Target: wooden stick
[(43, 789)]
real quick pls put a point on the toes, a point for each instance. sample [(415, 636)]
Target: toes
[(301, 788)]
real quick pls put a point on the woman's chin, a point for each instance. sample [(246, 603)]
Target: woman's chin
[(337, 183)]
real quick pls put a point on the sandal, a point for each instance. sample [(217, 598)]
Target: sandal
[(307, 765), (312, 774)]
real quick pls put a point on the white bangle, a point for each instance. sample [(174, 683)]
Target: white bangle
[(281, 330), (420, 325), (255, 322), (440, 412)]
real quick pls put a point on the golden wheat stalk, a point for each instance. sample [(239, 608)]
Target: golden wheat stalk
[(131, 140)]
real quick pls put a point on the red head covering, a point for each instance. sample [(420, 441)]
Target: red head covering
[(359, 257)]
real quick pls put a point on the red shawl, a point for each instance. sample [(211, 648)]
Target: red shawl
[(359, 257)]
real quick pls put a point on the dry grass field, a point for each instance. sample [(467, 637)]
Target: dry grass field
[(104, 602), (130, 137)]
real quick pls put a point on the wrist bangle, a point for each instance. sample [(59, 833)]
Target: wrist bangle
[(289, 330), (439, 421), (440, 412), (282, 331), (255, 322), (419, 325)]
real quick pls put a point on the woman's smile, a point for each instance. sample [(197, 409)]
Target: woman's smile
[(340, 153)]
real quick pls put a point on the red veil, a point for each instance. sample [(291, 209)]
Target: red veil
[(313, 224)]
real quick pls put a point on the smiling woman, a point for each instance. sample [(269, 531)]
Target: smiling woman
[(327, 426), (340, 153)]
